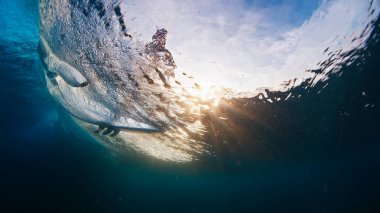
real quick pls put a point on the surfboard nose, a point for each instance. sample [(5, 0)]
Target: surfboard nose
[(55, 65)]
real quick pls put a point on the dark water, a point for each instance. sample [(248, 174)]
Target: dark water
[(317, 153)]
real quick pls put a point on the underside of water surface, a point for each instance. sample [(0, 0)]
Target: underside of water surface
[(130, 92)]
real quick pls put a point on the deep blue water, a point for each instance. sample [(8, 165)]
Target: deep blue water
[(49, 164)]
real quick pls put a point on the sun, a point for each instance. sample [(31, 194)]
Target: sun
[(205, 98)]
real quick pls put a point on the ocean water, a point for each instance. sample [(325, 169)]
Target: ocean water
[(315, 152)]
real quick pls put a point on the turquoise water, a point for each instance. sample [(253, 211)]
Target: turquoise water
[(317, 153)]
